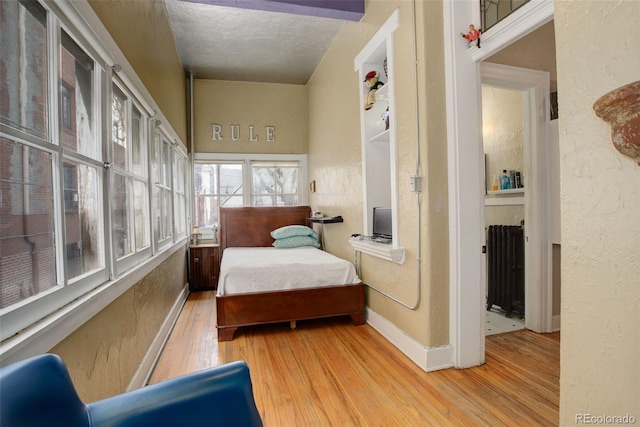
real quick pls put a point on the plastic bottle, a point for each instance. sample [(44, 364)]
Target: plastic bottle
[(505, 181), (494, 186), (518, 180)]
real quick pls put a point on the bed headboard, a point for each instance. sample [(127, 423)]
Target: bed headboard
[(251, 226)]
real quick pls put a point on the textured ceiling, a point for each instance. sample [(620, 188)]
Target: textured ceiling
[(229, 43)]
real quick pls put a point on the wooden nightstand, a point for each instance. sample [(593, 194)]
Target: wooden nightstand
[(204, 266)]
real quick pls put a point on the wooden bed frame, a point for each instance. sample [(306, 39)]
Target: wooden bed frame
[(251, 227)]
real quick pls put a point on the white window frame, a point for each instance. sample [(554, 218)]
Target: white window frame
[(162, 182), (247, 160), (137, 255), (35, 326)]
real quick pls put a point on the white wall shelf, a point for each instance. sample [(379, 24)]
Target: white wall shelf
[(506, 192), (380, 250), (381, 137), (511, 197)]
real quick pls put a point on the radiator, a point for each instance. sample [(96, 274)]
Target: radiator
[(505, 258)]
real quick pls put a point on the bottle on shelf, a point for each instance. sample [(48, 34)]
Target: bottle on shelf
[(505, 180), (494, 186)]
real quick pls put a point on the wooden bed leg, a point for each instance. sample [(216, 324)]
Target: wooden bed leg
[(226, 334), (358, 319), (292, 324)]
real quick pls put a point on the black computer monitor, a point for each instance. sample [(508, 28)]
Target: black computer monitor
[(382, 222)]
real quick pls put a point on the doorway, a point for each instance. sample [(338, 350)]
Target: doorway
[(504, 209), (463, 82), (531, 89)]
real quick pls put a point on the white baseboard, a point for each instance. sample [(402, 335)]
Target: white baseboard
[(555, 323), (145, 369), (427, 358)]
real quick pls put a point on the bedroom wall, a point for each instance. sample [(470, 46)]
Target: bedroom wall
[(336, 166), (104, 353), (227, 103), (600, 193)]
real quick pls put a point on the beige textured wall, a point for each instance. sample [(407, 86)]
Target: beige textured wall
[(142, 31), (502, 137), (600, 351), (103, 354), (335, 163), (535, 51), (227, 103)]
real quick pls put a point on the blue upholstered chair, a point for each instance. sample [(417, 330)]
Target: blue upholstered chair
[(39, 392)]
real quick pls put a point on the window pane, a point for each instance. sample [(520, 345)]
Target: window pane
[(166, 163), (23, 66), (180, 196), (119, 120), (205, 178), (121, 215), (231, 180), (157, 230), (275, 186), (138, 143), (206, 211), (231, 201), (76, 100), (82, 220), (166, 214), (27, 253), (287, 180), (141, 201), (263, 181)]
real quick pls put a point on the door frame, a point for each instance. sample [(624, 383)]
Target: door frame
[(465, 165), (534, 85)]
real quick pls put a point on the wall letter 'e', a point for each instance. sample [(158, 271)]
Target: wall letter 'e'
[(271, 137)]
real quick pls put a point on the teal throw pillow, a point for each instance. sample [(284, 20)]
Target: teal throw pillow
[(296, 242), (293, 230)]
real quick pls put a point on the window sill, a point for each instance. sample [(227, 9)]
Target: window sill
[(45, 334), (380, 250)]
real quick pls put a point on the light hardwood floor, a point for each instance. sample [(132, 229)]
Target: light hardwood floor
[(331, 373)]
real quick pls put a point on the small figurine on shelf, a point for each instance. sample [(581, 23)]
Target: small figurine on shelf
[(372, 82), (473, 36), (385, 119)]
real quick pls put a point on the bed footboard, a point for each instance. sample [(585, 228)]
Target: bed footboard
[(234, 311)]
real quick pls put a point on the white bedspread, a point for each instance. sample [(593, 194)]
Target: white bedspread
[(245, 270)]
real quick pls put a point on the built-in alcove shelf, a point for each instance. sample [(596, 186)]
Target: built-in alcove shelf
[(511, 197), (380, 250), (381, 137), (378, 140)]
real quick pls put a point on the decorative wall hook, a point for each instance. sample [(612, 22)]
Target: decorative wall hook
[(621, 109)]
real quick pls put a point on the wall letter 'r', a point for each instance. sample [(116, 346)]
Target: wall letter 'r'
[(216, 133)]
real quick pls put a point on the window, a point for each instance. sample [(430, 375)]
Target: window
[(180, 199), (221, 181), (130, 201), (24, 84), (274, 184), (494, 11), (216, 185), (27, 246), (163, 191), (53, 192)]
